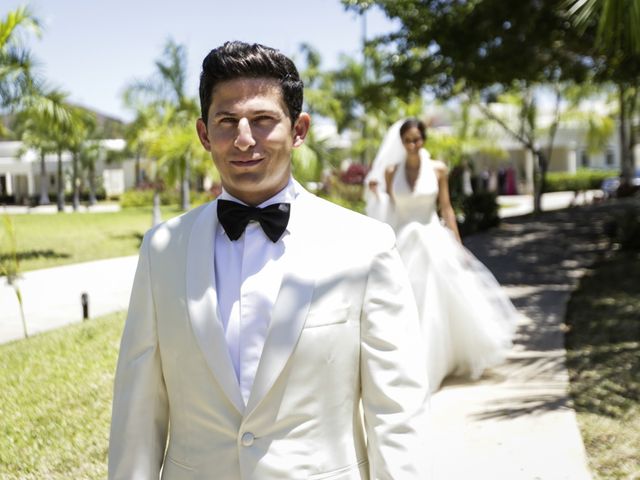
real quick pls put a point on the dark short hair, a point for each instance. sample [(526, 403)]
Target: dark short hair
[(414, 123), (235, 60)]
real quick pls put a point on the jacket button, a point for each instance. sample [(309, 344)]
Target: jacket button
[(247, 439)]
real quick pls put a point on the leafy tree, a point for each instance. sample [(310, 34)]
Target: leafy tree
[(354, 103), (484, 49)]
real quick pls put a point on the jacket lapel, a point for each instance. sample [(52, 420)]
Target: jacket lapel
[(202, 303), (292, 305)]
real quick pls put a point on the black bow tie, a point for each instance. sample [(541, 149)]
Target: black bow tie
[(234, 218)]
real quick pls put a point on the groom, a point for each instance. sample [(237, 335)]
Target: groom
[(262, 324)]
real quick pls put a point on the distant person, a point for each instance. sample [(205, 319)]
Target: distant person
[(271, 334), (467, 188), (467, 320), (511, 182)]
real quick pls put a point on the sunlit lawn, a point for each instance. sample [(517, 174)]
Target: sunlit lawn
[(55, 402), (47, 240), (604, 363)]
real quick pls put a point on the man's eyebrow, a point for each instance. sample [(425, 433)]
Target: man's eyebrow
[(224, 113)]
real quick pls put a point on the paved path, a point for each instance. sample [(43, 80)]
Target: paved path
[(517, 421), (52, 209), (51, 296)]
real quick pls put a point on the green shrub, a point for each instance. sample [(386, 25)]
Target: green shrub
[(480, 212), (144, 198), (356, 204), (628, 229), (572, 182)]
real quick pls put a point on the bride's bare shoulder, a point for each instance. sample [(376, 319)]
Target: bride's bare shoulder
[(391, 169), (439, 165)]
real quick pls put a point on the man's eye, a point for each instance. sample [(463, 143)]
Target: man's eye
[(227, 121), (263, 119)]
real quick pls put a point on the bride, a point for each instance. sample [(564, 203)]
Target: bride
[(467, 321)]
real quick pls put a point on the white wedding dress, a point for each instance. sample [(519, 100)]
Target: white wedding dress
[(466, 319)]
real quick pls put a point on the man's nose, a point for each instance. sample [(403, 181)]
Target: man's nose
[(245, 139)]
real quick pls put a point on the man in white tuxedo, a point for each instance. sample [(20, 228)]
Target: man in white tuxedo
[(271, 334)]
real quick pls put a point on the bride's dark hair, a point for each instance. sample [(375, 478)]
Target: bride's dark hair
[(414, 123)]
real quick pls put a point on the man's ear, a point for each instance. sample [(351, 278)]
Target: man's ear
[(201, 128), (301, 128)]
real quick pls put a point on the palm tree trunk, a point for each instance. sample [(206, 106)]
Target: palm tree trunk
[(21, 305), (76, 189), (156, 216), (137, 168), (184, 186), (44, 182), (60, 194), (92, 184), (625, 170)]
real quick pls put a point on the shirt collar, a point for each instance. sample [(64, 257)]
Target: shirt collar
[(288, 194)]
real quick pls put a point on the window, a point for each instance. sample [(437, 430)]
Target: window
[(584, 158), (610, 157)]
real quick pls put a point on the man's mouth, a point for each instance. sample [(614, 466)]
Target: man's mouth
[(246, 163)]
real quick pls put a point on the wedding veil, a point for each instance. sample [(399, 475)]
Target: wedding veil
[(391, 152)]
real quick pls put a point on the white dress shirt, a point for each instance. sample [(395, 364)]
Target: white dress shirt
[(248, 275)]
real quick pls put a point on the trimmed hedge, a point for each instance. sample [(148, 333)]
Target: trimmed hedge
[(581, 180), (144, 198)]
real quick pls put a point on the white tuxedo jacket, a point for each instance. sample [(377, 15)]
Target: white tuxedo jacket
[(343, 337)]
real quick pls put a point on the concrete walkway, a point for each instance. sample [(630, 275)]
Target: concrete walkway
[(516, 423), (51, 296), (52, 209)]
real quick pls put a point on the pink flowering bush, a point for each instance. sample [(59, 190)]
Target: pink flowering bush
[(354, 175)]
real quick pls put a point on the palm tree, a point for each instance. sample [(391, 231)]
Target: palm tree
[(84, 124), (38, 123), (15, 59), (618, 40), (89, 155), (164, 95), (617, 21), (177, 148)]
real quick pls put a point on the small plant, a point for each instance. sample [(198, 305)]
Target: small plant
[(10, 266)]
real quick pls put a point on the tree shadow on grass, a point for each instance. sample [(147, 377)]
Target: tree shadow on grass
[(34, 255), (603, 343), (137, 236)]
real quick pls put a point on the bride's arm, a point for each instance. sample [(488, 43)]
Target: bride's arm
[(444, 201), (389, 173)]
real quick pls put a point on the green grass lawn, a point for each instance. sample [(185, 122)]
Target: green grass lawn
[(604, 365), (55, 402), (59, 239)]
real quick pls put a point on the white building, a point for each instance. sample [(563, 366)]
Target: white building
[(20, 171), (570, 150)]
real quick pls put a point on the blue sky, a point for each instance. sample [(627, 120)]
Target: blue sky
[(92, 49)]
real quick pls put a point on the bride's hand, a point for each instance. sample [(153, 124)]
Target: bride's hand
[(373, 186)]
